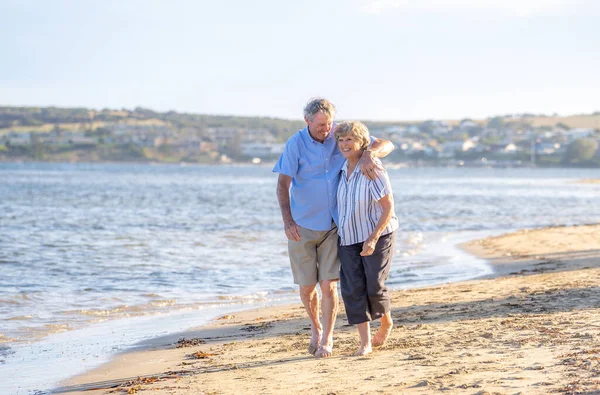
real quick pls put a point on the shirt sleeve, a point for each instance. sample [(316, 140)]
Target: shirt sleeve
[(372, 140), (288, 161), (381, 186)]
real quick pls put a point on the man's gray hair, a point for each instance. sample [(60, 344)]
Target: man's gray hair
[(317, 105)]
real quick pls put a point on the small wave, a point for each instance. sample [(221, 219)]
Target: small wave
[(257, 296), (163, 303), (285, 291), (415, 238), (4, 301), (407, 253), (55, 328), (103, 313), (20, 318), (5, 339)]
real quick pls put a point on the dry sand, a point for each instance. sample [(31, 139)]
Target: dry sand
[(533, 328)]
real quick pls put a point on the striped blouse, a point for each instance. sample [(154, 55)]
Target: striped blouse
[(358, 206)]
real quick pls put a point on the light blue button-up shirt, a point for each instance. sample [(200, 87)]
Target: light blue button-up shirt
[(315, 170)]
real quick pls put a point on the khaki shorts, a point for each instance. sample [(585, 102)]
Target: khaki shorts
[(315, 257)]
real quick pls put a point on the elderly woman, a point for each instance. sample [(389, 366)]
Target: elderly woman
[(367, 226)]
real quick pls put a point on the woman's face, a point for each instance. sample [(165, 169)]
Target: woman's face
[(349, 147)]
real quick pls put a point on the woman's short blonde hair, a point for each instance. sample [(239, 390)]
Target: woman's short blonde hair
[(356, 129)]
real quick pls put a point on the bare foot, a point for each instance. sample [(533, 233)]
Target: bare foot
[(383, 333), (363, 350), (325, 351), (313, 346)]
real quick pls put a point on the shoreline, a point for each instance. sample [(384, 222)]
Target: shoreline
[(88, 348), (526, 327), (270, 163)]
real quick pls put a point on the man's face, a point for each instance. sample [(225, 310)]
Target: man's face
[(320, 126)]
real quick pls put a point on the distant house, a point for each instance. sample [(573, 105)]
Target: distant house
[(413, 129), (262, 150), (15, 139), (257, 136), (207, 146), (467, 124), (226, 137), (441, 131), (449, 148), (504, 148), (546, 148), (395, 129), (578, 133), (392, 133)]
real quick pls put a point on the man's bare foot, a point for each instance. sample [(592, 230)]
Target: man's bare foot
[(382, 334), (325, 351), (315, 339), (363, 350)]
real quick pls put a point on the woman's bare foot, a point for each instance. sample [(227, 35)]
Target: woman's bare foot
[(384, 331), (363, 350)]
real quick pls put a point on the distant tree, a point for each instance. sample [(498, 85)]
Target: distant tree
[(580, 150), (427, 126), (496, 123), (562, 126), (37, 148)]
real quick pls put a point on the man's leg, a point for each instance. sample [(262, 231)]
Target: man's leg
[(329, 274), (329, 307), (303, 259), (310, 299)]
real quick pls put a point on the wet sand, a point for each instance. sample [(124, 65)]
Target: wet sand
[(533, 327)]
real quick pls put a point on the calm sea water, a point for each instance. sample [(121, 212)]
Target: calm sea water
[(93, 257)]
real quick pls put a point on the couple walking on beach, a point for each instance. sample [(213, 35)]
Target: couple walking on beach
[(338, 213)]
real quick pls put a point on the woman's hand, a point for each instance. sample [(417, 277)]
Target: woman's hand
[(369, 246)]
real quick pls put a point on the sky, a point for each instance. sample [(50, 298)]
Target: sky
[(374, 59)]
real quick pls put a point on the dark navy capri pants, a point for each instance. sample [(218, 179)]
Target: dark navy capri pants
[(362, 280)]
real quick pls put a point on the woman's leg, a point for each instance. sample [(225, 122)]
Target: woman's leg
[(364, 332), (354, 294), (377, 267), (384, 330)]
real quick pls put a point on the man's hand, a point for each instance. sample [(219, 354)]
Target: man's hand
[(291, 231), (368, 247), (368, 166), (283, 196)]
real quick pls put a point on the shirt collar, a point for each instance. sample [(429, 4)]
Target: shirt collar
[(345, 170), (345, 167), (329, 136)]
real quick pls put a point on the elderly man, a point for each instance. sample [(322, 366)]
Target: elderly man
[(309, 173)]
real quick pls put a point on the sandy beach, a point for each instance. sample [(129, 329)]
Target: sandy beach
[(531, 328)]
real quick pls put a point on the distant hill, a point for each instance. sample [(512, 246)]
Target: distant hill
[(573, 121), (44, 119)]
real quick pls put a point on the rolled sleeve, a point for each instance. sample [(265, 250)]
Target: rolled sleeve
[(288, 161), (381, 186)]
